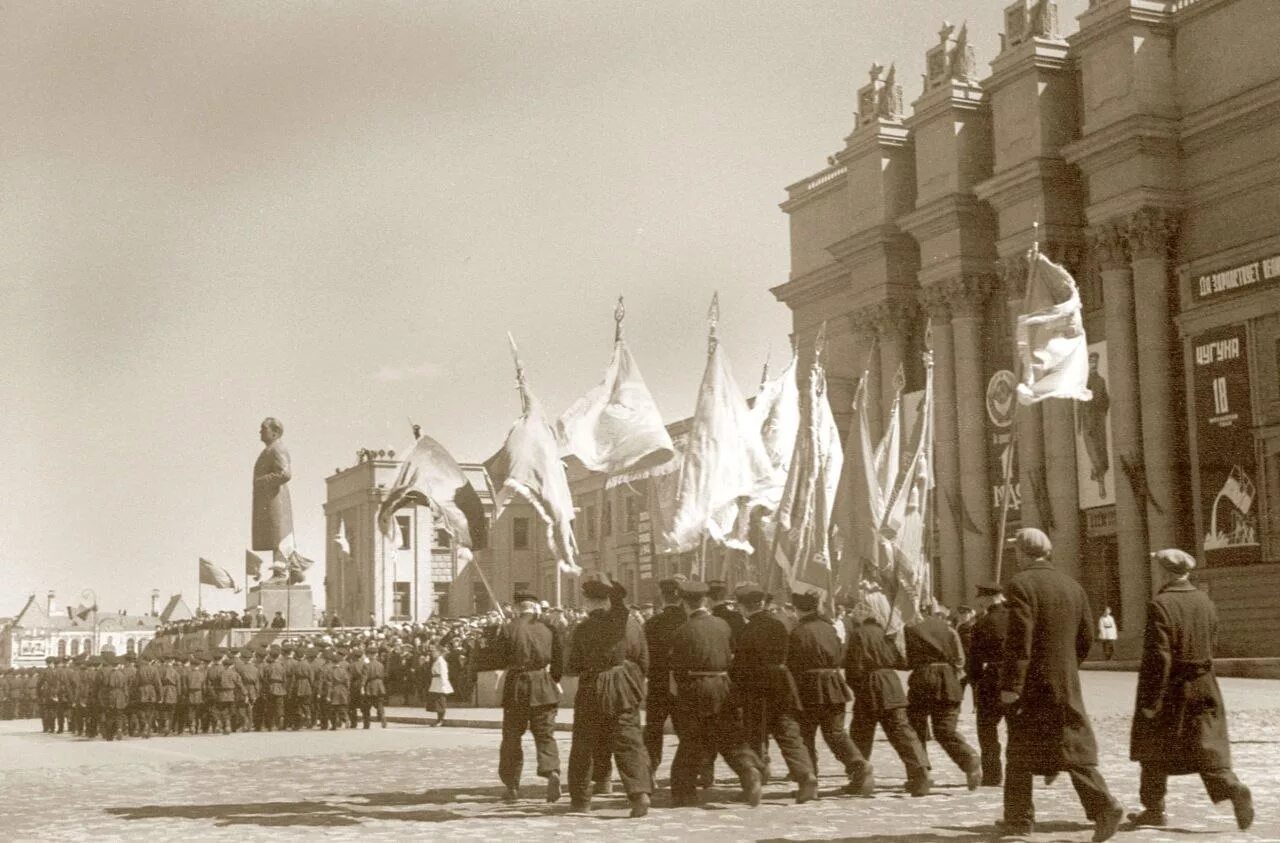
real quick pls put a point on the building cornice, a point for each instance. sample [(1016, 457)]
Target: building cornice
[(955, 96), (829, 280), (879, 134), (858, 248), (954, 210), (1024, 181), (1243, 113), (1107, 16), (1223, 188), (1185, 10), (819, 184), (1124, 140), (1047, 55)]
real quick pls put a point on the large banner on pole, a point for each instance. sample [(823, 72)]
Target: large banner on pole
[(1225, 448)]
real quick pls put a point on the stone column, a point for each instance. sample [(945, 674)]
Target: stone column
[(1111, 249), (946, 455), (966, 295), (891, 330), (863, 324), (1150, 231)]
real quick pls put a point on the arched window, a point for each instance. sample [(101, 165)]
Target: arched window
[(86, 646), (75, 647), (62, 648)]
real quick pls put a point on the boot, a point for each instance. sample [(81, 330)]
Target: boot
[(807, 791), (1105, 827), (639, 804), (751, 790), (1148, 817), (553, 786), (1242, 804), (512, 795)]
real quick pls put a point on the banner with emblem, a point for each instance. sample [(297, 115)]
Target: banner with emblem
[(1002, 451)]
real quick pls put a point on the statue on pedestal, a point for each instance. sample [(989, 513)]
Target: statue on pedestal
[(272, 506)]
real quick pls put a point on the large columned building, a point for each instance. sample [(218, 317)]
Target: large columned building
[(1142, 152)]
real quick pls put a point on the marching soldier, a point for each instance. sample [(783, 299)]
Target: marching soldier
[(275, 682), (147, 692), (247, 695), (708, 723), (337, 685), (356, 670), (533, 660), (116, 699), (610, 657), (770, 699), (228, 690), (985, 649), (658, 700), (815, 657), (717, 591), (1180, 721), (1050, 633), (170, 689), (375, 687), (934, 692)]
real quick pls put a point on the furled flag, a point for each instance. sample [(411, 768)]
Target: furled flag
[(431, 477), (211, 574), (804, 514), (1050, 335), (859, 503), (724, 461), (529, 466), (616, 425), (905, 567), (341, 538), (252, 565)]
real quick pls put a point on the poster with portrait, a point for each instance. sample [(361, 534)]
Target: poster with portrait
[(1224, 444), (1002, 451), (32, 648), (1095, 463)]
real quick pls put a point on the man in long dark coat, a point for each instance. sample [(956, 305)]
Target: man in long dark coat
[(815, 658), (984, 654), (609, 654), (708, 723), (768, 693), (934, 692), (658, 700), (1050, 633), (1179, 720), (533, 661)]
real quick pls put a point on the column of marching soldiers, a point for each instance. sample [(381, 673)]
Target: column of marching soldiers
[(260, 689)]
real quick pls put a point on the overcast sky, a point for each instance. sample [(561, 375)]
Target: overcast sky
[(331, 212)]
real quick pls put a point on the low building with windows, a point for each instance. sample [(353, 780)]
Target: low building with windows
[(37, 632)]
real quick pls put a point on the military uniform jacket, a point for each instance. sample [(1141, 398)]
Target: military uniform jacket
[(1050, 633), (985, 651), (532, 658), (657, 633), (47, 685), (250, 678), (736, 621), (1180, 722), (610, 657), (337, 684), (130, 675), (935, 658), (759, 669), (227, 685), (117, 689), (814, 657), (170, 685), (275, 678), (356, 672), (197, 680), (870, 665), (701, 653), (147, 682), (302, 678), (375, 679)]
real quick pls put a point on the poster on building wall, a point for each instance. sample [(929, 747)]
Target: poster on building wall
[(32, 648), (1095, 468), (1224, 442), (1002, 455)]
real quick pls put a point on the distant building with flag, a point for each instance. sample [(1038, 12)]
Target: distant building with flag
[(1146, 166), (40, 630)]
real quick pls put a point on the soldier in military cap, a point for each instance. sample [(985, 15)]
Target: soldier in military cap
[(934, 692), (170, 689), (356, 672), (337, 687), (375, 687), (707, 721), (116, 699), (228, 690), (247, 694), (770, 699), (717, 591), (983, 662), (531, 652), (815, 657), (658, 700), (47, 695), (610, 657), (302, 688), (68, 677), (275, 687), (147, 692)]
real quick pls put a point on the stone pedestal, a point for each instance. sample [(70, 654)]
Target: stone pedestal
[(292, 601)]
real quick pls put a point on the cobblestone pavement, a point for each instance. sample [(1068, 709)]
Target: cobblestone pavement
[(414, 782)]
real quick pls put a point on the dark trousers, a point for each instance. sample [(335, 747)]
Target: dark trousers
[(436, 702), (1154, 779), (164, 718), (371, 703), (990, 714), (762, 720), (48, 716), (657, 708), (62, 715), (518, 718), (145, 713), (275, 712), (703, 736), (1108, 650), (1090, 787), (830, 720), (336, 714), (621, 734), (302, 712), (897, 730), (944, 717)]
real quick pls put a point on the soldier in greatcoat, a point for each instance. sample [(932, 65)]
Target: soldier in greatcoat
[(302, 682), (767, 691), (985, 649), (934, 692), (227, 690), (658, 700), (116, 699), (337, 688), (705, 710), (247, 698), (147, 692), (1179, 720), (375, 688), (275, 686), (530, 651), (610, 657), (1050, 633), (170, 688), (815, 657)]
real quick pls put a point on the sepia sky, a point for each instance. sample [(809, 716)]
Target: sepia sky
[(332, 212)]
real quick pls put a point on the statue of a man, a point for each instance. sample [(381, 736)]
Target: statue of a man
[(272, 507)]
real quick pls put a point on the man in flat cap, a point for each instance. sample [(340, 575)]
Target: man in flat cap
[(658, 700), (985, 650), (1180, 721), (934, 692), (717, 599), (706, 718), (610, 657), (767, 691), (531, 655), (815, 658), (1050, 633)]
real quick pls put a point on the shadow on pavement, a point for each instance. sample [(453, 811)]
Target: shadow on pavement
[(953, 834)]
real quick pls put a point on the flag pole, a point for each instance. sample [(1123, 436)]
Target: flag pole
[(521, 384), (619, 313)]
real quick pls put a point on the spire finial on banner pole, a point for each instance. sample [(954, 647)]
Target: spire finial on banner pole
[(764, 371), (520, 381), (713, 323), (619, 313)]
